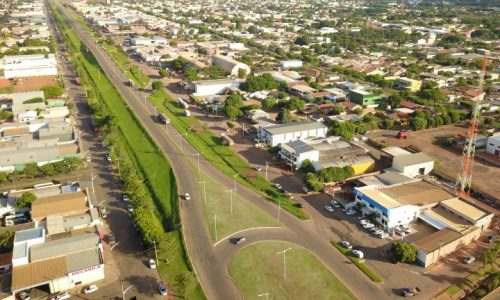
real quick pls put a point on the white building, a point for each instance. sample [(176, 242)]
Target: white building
[(296, 152), (413, 164), (288, 64), (213, 87), (152, 41), (231, 66), (493, 145), (29, 65), (275, 135)]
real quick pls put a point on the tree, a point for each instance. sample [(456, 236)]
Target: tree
[(404, 252), (232, 112), (191, 74), (294, 104), (164, 73), (388, 123), (30, 170), (7, 240), (25, 200), (3, 176), (306, 166), (234, 100), (313, 183), (269, 104), (52, 91), (284, 116), (242, 73), (343, 129), (337, 109), (419, 123), (157, 85), (4, 115)]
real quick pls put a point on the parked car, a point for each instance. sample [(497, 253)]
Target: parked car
[(363, 221), (378, 232), (241, 240), (358, 253), (24, 295), (288, 194), (491, 239), (90, 289), (62, 296), (257, 168), (409, 292), (163, 289), (125, 198), (299, 205), (306, 190), (187, 196), (346, 245), (152, 263), (130, 208), (350, 212), (469, 260), (278, 186), (382, 235), (111, 240), (329, 208), (368, 225), (334, 204), (108, 158)]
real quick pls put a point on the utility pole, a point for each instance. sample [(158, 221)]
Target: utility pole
[(267, 167), (234, 181), (279, 209), (284, 260), (231, 191)]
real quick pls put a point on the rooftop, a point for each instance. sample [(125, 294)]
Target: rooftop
[(59, 204), (64, 246), (417, 193), (294, 127), (395, 151), (433, 241), (298, 147), (38, 272), (412, 159), (464, 208)]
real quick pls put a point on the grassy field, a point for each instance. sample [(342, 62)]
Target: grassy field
[(122, 60), (221, 156), (245, 215), (258, 269), (153, 166), (363, 267)]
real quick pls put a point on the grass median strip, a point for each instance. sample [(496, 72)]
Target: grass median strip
[(363, 267), (258, 269), (221, 156), (122, 60), (143, 155)]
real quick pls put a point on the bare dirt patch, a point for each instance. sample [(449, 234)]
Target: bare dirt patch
[(33, 83)]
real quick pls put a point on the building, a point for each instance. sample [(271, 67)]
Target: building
[(214, 87), (275, 135), (364, 98), (399, 204), (152, 41), (231, 65), (404, 83), (493, 145), (360, 164), (413, 164), (255, 114), (296, 152), (55, 264), (288, 64), (16, 66)]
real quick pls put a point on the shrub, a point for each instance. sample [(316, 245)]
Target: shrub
[(404, 252), (52, 91), (33, 100)]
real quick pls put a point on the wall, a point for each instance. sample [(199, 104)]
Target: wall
[(413, 170), (86, 276), (59, 285)]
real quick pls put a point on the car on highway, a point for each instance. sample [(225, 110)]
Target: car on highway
[(346, 245), (358, 253), (130, 208), (125, 197), (328, 208), (152, 263), (90, 289), (162, 287), (257, 168), (187, 196), (469, 260), (410, 292), (240, 241)]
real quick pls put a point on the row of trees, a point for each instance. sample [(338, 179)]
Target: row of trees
[(443, 116), (316, 180), (32, 170), (260, 83)]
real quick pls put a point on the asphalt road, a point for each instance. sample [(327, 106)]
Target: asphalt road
[(211, 263), (128, 258)]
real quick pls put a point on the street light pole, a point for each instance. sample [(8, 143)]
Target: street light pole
[(215, 227), (279, 209), (267, 167), (156, 253), (234, 181), (231, 191), (284, 260), (264, 295), (204, 191)]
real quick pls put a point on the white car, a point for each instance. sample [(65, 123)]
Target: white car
[(125, 198), (187, 197), (130, 208), (257, 168), (382, 235), (278, 186), (346, 245), (350, 212), (334, 204), (63, 296), (152, 263), (358, 253), (329, 208), (368, 225), (90, 289), (378, 232), (469, 259), (363, 221)]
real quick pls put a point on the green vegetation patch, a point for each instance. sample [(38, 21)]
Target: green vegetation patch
[(258, 269), (363, 267), (221, 156)]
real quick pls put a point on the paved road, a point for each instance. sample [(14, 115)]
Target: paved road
[(128, 257), (211, 263)]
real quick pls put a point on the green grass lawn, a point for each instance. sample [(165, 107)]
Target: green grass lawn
[(222, 157), (363, 267), (258, 269), (245, 214), (153, 166)]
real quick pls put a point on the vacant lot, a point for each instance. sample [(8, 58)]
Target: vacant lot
[(448, 159), (258, 269)]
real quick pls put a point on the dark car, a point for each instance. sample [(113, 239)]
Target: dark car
[(299, 205), (409, 292), (491, 239)]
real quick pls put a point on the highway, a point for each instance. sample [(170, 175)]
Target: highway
[(211, 262)]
